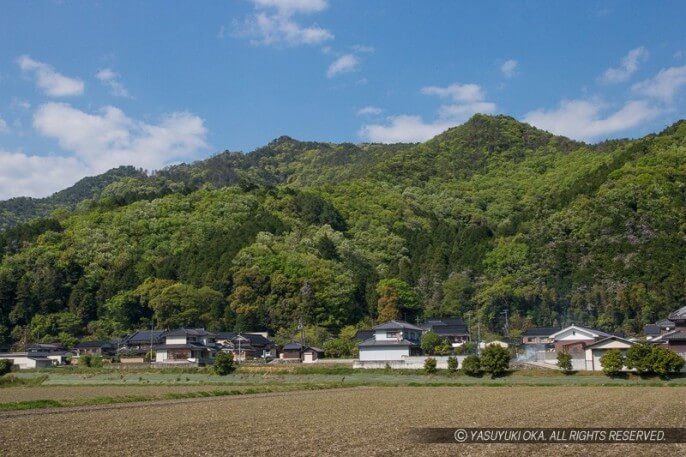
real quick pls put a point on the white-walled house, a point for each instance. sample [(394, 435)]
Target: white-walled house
[(595, 351), (186, 346), (26, 360), (391, 341), (575, 338)]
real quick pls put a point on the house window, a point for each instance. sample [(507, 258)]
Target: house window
[(394, 334)]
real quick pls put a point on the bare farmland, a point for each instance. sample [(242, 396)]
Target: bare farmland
[(362, 421)]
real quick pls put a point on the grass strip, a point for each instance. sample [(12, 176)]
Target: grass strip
[(43, 404)]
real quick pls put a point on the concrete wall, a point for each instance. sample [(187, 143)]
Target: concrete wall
[(407, 362), (383, 353)]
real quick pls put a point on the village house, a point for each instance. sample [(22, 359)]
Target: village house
[(101, 348), (183, 346), (250, 345), (311, 354), (26, 360), (452, 329), (539, 335), (141, 341), (391, 341), (575, 338), (594, 351)]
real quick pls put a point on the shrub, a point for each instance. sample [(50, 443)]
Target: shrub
[(452, 364), (223, 363), (96, 361), (612, 362), (430, 365), (663, 361), (5, 366), (639, 358), (495, 360), (471, 365), (431, 342), (85, 360), (149, 356), (564, 362)]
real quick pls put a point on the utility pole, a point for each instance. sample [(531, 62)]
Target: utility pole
[(152, 329), (478, 336), (301, 327), (507, 325)]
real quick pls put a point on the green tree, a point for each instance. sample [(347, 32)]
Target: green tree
[(430, 342), (495, 360), (430, 365), (471, 365), (665, 362), (223, 363), (564, 362), (5, 366), (639, 357), (612, 362), (452, 364), (396, 300)]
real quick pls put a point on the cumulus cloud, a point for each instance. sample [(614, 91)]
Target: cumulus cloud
[(369, 111), (627, 68), (344, 64), (50, 81), (403, 129), (109, 138), (584, 119), (273, 23), (112, 80), (465, 100), (664, 85), (509, 68), (37, 176)]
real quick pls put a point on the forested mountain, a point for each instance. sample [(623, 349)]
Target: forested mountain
[(488, 216)]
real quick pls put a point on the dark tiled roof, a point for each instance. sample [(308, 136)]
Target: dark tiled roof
[(396, 325), (144, 336), (362, 335), (540, 331), (183, 346), (678, 315), (651, 330), (665, 323), (389, 343), (257, 340), (433, 324), (679, 335), (225, 335), (314, 349), (292, 346), (448, 330), (198, 332), (94, 344)]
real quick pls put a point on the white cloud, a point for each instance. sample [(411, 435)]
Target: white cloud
[(344, 64), (664, 85), (403, 129), (466, 100), (583, 119), (277, 26), (293, 6), (627, 68), (458, 92), (509, 68), (50, 81), (111, 79), (110, 138), (3, 126), (369, 111), (37, 176)]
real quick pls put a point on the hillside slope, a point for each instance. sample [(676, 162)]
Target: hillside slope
[(488, 216)]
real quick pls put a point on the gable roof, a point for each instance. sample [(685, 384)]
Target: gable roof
[(433, 324), (314, 349), (612, 337), (541, 331), (397, 325), (678, 315), (593, 332), (665, 323), (144, 336), (677, 335), (197, 332)]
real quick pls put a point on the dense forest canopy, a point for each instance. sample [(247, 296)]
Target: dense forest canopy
[(489, 216)]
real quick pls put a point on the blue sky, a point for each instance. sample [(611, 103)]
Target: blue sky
[(89, 85)]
